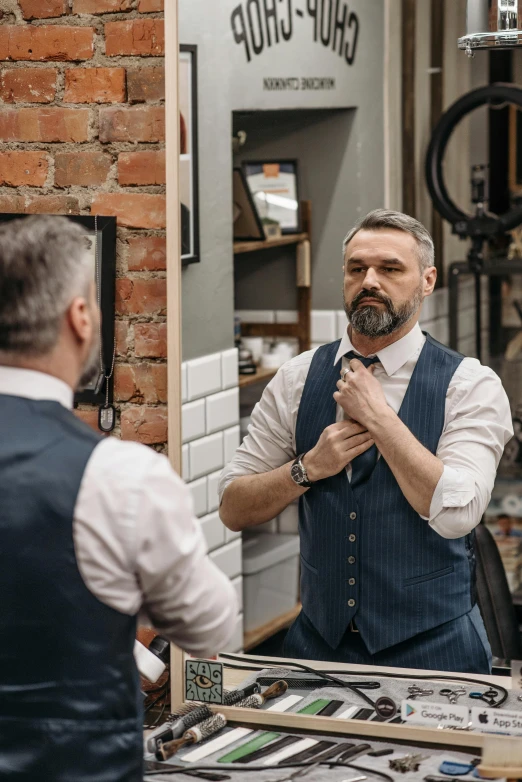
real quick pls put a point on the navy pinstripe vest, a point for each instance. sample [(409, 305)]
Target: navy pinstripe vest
[(366, 554), (70, 704)]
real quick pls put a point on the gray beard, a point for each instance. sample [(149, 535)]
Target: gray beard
[(371, 322)]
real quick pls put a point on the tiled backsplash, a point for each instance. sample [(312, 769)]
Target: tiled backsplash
[(210, 422)]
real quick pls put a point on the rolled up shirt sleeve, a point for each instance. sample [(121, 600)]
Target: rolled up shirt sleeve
[(478, 426), (270, 442)]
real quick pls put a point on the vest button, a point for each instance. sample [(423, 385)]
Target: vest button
[(352, 538), (352, 582), (351, 603), (353, 515), (351, 560)]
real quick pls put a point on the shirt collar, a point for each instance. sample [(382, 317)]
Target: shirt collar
[(34, 385), (394, 356)]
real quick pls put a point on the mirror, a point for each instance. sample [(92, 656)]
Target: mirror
[(290, 156)]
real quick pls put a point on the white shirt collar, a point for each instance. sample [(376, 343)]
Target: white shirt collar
[(394, 356), (34, 385)]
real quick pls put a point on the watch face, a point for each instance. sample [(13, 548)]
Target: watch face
[(297, 474)]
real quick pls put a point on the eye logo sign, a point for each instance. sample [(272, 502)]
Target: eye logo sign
[(203, 681)]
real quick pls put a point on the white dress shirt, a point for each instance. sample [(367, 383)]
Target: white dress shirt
[(137, 542), (477, 427)]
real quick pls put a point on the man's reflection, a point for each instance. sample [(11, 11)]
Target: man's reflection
[(391, 442)]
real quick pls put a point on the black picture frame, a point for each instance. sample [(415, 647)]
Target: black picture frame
[(242, 198), (247, 165), (107, 242), (189, 161)]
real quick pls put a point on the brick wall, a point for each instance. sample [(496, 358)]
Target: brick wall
[(82, 131)]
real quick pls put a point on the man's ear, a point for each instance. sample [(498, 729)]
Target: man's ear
[(430, 279), (80, 319)]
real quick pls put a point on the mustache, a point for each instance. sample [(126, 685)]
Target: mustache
[(370, 295)]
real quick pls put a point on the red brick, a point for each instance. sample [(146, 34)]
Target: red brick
[(151, 6), (45, 125), (150, 340), (145, 383), (28, 85), (81, 168), (23, 168), (54, 205), (147, 425), (132, 211), (101, 6), (42, 9), (12, 204), (48, 42), (141, 297), (145, 37), (138, 123), (95, 85), (147, 254), (123, 337), (89, 417), (145, 84), (142, 168)]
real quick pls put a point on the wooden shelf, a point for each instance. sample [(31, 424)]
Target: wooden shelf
[(249, 247), (260, 376), (260, 634)]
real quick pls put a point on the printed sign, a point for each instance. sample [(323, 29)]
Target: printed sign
[(257, 25), (203, 681), (422, 713), (497, 721)]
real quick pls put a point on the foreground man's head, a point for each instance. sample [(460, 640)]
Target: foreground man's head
[(49, 316)]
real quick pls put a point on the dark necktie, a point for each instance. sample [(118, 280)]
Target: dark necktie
[(363, 465)]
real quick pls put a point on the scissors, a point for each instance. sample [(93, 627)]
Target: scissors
[(453, 695), (489, 697)]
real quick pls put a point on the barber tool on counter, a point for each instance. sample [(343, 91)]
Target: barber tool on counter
[(190, 715), (196, 734)]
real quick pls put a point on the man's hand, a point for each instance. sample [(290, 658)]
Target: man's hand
[(361, 395), (338, 445)]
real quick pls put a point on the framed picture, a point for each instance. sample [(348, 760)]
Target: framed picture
[(100, 241), (274, 187), (247, 225), (188, 162)]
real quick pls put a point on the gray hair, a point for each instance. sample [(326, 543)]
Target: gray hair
[(44, 264), (381, 219)]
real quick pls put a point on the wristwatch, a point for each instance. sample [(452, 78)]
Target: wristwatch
[(299, 474)]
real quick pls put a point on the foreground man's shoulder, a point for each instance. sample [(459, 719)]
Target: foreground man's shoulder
[(130, 463)]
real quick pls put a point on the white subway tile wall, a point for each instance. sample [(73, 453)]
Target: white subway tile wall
[(193, 423), (232, 442), (210, 425), (212, 491), (204, 376), (222, 410), (199, 496), (185, 465), (229, 368), (229, 559), (206, 455), (214, 531), (324, 326), (184, 386)]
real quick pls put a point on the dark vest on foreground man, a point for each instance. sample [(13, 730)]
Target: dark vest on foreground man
[(366, 554), (69, 689)]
